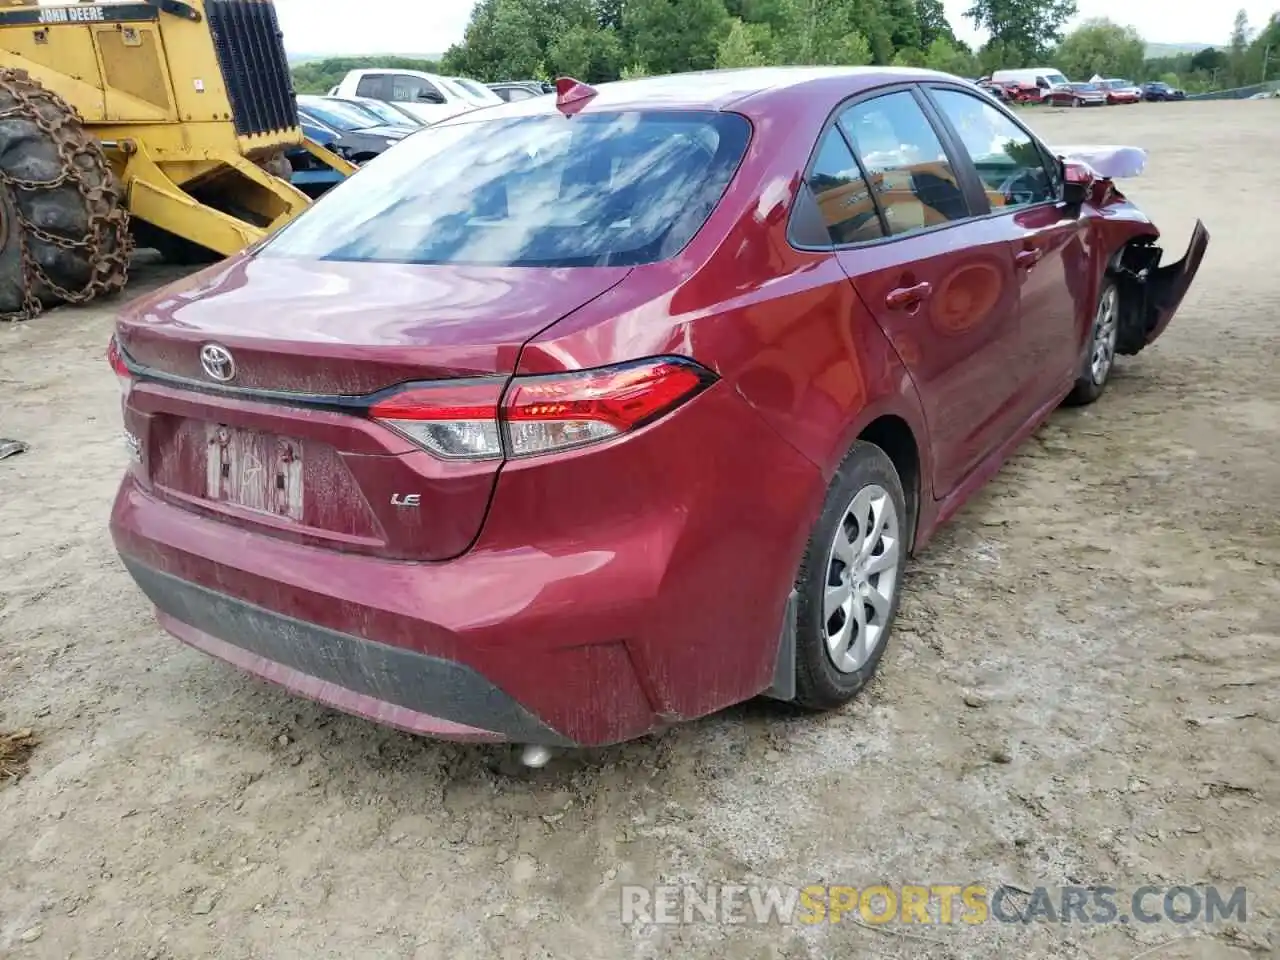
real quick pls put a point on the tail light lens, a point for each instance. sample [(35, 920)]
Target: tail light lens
[(470, 420), (116, 359), (455, 420)]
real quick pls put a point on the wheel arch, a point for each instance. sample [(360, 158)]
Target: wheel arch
[(892, 434)]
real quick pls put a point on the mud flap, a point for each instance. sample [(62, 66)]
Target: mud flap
[(1156, 291), (784, 668)]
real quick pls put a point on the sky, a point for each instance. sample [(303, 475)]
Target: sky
[(431, 26)]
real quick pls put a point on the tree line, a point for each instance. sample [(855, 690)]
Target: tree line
[(602, 40)]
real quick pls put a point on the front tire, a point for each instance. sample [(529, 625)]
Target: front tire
[(850, 580), (1100, 353)]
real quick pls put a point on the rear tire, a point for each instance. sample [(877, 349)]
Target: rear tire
[(1100, 351), (65, 234), (850, 580)]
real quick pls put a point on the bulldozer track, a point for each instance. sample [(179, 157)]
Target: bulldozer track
[(81, 250)]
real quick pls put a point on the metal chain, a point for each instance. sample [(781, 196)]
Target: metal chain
[(108, 243)]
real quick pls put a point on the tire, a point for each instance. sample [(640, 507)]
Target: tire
[(65, 233), (865, 485), (1100, 350)]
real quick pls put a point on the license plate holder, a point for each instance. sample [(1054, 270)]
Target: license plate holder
[(256, 471)]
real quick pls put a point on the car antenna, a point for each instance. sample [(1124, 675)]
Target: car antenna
[(572, 94)]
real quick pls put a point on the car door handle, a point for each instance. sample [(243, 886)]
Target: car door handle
[(1028, 258), (908, 296)]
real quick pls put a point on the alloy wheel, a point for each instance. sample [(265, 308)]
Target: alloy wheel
[(862, 576), (1104, 336)]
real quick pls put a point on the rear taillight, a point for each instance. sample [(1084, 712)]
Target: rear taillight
[(457, 420), (116, 359), (471, 420)]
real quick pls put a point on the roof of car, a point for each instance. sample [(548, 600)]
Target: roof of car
[(720, 89)]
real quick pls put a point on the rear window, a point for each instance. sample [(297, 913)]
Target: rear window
[(614, 189)]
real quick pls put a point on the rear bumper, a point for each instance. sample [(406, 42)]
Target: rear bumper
[(610, 593), (386, 684)]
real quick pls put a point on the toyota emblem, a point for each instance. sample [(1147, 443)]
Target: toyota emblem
[(217, 362)]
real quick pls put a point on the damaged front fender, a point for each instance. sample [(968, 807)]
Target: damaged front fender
[(1151, 292)]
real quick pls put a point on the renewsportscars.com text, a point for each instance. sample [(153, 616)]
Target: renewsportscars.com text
[(931, 904)]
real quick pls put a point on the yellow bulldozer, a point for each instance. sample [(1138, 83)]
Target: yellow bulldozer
[(160, 123)]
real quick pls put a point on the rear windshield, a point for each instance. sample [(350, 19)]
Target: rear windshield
[(615, 189)]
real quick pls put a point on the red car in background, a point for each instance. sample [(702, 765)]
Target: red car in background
[(1076, 95), (578, 416), (1121, 91)]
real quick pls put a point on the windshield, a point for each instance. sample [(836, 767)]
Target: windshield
[(1056, 79), (478, 91), (1119, 84), (614, 189), (386, 113), (339, 115)]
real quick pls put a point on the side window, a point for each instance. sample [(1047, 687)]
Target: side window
[(517, 93), (1009, 162), (406, 89), (843, 196), (909, 170), (371, 87)]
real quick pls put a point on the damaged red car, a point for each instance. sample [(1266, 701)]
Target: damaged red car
[(572, 418)]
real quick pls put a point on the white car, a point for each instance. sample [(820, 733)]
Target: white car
[(428, 96)]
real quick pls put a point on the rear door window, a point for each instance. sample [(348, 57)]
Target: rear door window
[(409, 89), (905, 161), (373, 87), (594, 190), (843, 196), (1009, 162)]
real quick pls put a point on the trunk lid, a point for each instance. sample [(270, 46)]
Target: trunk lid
[(284, 446), (348, 329)]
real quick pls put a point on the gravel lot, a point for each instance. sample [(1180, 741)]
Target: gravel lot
[(1084, 687)]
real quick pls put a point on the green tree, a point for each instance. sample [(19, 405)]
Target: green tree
[(739, 48), (1030, 27), (833, 32), (501, 42), (1100, 47), (950, 58), (586, 52), (669, 36), (931, 15), (1209, 60)]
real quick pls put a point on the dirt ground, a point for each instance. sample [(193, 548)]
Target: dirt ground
[(1084, 688)]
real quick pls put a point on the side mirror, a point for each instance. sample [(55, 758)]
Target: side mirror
[(1077, 182)]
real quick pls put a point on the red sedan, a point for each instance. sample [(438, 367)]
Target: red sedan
[(1076, 95), (574, 417), (1121, 91)]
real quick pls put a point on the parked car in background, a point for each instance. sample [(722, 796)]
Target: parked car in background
[(477, 92), (1121, 91), (357, 134), (360, 448), (1076, 95), (309, 174), (513, 90), (388, 113), (428, 96), (1023, 81), (1157, 90)]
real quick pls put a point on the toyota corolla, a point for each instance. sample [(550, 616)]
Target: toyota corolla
[(575, 417)]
